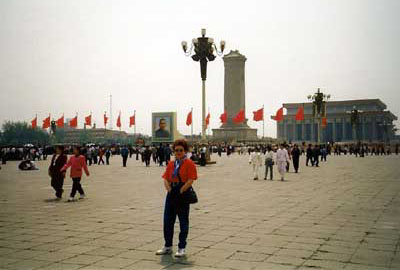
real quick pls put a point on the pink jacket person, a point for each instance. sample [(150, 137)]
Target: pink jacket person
[(76, 163)]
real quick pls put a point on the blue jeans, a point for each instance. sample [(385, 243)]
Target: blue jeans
[(173, 207)]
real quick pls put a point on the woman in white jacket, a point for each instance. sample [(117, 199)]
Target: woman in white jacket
[(256, 160), (282, 157)]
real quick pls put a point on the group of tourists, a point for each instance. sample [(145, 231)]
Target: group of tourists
[(280, 155), (59, 165)]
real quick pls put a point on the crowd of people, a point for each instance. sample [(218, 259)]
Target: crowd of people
[(181, 172)]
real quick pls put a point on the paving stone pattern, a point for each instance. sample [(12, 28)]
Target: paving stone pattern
[(342, 215)]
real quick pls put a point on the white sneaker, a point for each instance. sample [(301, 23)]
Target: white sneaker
[(180, 253), (82, 196), (164, 251), (71, 199)]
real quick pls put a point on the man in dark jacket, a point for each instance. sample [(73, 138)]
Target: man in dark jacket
[(309, 155), (147, 156), (296, 157), (57, 177), (316, 154), (160, 154), (124, 154)]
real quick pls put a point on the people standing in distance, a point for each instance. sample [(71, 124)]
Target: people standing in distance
[(57, 177), (282, 158), (178, 178), (77, 163), (296, 158), (124, 154), (269, 162), (256, 161)]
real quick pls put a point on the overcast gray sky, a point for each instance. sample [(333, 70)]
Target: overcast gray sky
[(69, 56)]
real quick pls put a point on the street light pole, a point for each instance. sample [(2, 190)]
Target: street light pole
[(203, 52), (319, 100), (355, 120), (203, 110)]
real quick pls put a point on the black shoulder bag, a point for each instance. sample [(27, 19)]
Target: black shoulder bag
[(189, 196)]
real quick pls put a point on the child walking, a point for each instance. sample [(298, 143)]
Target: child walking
[(76, 162)]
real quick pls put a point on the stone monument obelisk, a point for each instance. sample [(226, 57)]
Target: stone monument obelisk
[(234, 100)]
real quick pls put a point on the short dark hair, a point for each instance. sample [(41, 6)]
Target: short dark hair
[(162, 119), (183, 143), (61, 147)]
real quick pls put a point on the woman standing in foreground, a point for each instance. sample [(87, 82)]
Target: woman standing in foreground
[(178, 178)]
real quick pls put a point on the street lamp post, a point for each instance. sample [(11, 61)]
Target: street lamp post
[(355, 121), (203, 52), (319, 100)]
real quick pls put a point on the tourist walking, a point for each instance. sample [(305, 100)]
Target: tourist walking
[(178, 179), (256, 161), (269, 163), (160, 154), (77, 163), (57, 177), (124, 154), (147, 156), (316, 154), (108, 155), (101, 154), (282, 157), (296, 158), (309, 155)]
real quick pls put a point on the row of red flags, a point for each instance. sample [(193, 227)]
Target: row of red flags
[(257, 116), (239, 118), (74, 121)]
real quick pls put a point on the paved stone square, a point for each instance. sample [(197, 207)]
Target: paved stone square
[(343, 215)]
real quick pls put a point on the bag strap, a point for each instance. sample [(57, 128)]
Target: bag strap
[(179, 178)]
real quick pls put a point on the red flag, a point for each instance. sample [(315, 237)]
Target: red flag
[(88, 120), (119, 120), (240, 117), (34, 122), (74, 122), (132, 120), (324, 122), (46, 122), (208, 119), (105, 119), (224, 117), (258, 115), (300, 114), (189, 119), (279, 115), (60, 122)]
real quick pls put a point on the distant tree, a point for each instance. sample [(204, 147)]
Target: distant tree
[(18, 133)]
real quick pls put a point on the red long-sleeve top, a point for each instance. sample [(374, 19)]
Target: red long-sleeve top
[(77, 163)]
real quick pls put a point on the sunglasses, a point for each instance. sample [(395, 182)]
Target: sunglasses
[(179, 150)]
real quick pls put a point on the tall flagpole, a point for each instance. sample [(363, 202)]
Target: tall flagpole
[(110, 120), (209, 128), (191, 126), (263, 123), (134, 125)]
